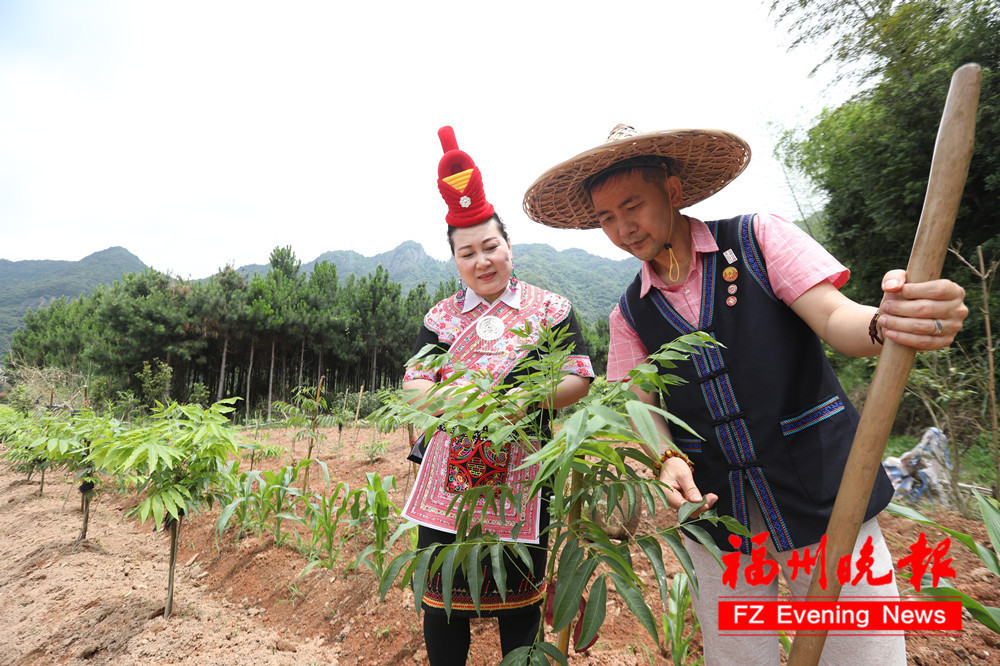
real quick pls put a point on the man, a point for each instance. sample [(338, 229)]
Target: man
[(775, 422)]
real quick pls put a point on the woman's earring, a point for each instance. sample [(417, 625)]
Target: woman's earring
[(513, 283), (460, 294)]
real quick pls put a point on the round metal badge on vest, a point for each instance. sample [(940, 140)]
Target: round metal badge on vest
[(489, 328), (729, 274), (731, 289), (731, 301)]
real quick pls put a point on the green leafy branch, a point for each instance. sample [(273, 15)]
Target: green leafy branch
[(988, 616), (179, 461), (592, 462)]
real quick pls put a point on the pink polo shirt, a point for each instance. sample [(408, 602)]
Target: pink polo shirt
[(795, 264)]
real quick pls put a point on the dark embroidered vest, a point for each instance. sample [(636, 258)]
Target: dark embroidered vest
[(776, 424)]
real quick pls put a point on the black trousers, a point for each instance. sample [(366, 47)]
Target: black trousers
[(448, 642)]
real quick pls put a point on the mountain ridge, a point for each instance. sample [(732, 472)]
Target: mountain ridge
[(34, 283), (591, 282)]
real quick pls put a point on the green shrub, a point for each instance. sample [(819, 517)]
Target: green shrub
[(198, 395), (370, 401), (19, 399)]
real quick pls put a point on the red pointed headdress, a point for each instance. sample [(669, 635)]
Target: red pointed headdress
[(461, 184)]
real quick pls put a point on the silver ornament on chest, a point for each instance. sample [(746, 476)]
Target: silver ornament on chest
[(489, 328)]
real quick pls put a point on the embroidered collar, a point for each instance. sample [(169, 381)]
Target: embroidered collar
[(472, 299), (702, 242)]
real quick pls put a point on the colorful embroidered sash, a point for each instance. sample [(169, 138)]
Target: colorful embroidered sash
[(472, 463), (455, 464)]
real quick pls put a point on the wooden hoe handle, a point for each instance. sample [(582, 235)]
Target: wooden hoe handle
[(949, 168)]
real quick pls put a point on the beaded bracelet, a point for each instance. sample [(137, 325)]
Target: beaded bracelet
[(671, 453), (873, 329)]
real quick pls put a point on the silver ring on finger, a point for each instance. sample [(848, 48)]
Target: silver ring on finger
[(938, 328)]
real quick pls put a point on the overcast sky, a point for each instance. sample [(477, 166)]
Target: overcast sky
[(197, 134)]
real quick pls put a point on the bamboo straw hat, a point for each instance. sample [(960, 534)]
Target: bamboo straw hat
[(705, 160)]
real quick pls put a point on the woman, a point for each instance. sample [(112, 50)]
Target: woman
[(475, 327)]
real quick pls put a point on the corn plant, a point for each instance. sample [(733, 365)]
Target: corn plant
[(278, 497), (674, 625), (374, 511), (324, 515), (244, 502), (179, 461), (597, 447)]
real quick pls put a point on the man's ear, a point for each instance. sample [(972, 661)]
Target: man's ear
[(675, 190)]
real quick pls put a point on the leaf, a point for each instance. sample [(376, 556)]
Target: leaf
[(569, 591), (670, 417), (448, 566), (575, 430), (156, 502), (611, 555), (312, 565), (169, 506), (633, 505), (420, 575), (130, 462), (571, 555), (987, 616), (638, 411), (543, 652), (651, 547), (594, 614), (524, 554), (518, 656), (991, 517), (152, 458), (611, 491), (400, 531), (390, 573), (677, 546), (647, 496), (473, 573), (144, 509), (988, 557), (179, 495), (633, 598), (688, 508), (499, 571)]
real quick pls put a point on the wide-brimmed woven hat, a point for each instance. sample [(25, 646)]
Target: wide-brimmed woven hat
[(705, 160)]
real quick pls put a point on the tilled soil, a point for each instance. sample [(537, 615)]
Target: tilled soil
[(245, 601)]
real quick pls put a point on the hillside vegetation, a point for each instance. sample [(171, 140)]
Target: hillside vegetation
[(593, 283), (36, 283)]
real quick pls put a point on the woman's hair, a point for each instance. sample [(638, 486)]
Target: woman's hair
[(494, 218)]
